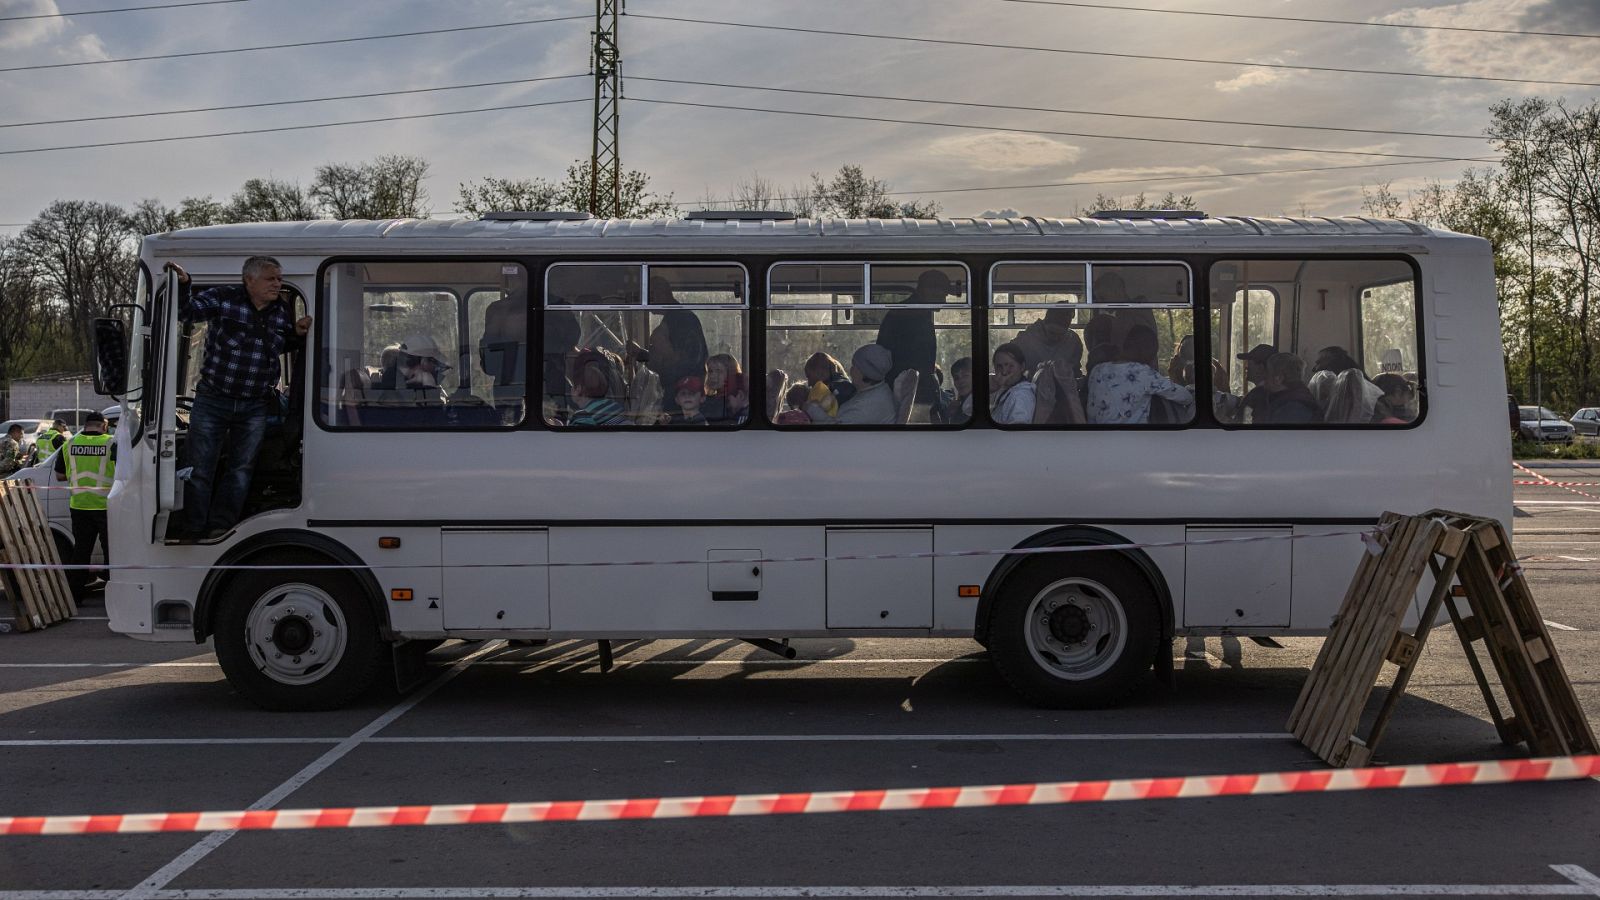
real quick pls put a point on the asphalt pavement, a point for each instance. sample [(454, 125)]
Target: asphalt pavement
[(91, 722)]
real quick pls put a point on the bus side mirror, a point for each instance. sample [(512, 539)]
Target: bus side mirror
[(110, 357)]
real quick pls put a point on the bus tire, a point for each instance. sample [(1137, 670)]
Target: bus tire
[(297, 640), (1075, 632)]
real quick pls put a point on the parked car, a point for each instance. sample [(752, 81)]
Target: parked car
[(1587, 420), (1541, 424), (31, 429), (73, 416)]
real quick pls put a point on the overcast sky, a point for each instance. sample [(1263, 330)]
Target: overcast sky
[(696, 152)]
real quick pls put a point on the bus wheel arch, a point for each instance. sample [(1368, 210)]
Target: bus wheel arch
[(302, 547), (1122, 592)]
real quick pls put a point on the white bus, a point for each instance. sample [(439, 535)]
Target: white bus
[(387, 512)]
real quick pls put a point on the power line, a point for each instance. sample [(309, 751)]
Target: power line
[(1151, 180), (1052, 109), (1103, 53), (204, 109), (217, 134), (1041, 131), (352, 40), (1301, 19), (118, 9)]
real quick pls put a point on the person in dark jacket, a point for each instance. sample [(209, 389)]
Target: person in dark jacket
[(1289, 401), (909, 336)]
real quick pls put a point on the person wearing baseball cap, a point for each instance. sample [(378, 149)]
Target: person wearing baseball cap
[(1254, 406)]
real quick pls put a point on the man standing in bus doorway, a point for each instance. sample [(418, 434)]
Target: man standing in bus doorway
[(250, 327), (87, 462)]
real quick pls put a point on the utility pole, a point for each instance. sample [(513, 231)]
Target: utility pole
[(605, 160)]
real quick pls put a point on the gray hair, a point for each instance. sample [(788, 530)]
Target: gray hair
[(254, 265)]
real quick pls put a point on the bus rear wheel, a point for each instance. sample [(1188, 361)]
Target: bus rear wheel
[(1076, 632), (298, 640)]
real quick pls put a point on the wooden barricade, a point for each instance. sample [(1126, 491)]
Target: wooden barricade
[(41, 597), (1367, 633)]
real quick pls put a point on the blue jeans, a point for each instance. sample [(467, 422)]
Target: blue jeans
[(214, 498)]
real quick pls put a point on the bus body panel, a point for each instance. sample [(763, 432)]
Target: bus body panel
[(719, 497)]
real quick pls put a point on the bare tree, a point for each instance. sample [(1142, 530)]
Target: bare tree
[(151, 216), (571, 193), (81, 253), (851, 194), (269, 200), (22, 310), (1380, 201), (388, 187)]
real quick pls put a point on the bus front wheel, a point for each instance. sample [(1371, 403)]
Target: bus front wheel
[(297, 639), (1076, 631)]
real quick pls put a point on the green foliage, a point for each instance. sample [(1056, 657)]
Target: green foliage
[(1579, 449), (850, 194)]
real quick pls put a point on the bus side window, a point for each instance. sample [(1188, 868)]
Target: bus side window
[(867, 343), (646, 344), (1330, 342), (1052, 325), (424, 345)]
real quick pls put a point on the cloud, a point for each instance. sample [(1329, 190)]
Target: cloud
[(28, 32), (1252, 78), (1005, 151), (1180, 174), (1498, 55)]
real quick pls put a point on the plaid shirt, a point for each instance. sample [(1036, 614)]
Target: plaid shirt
[(243, 343)]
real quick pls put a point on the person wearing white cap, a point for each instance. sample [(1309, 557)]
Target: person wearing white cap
[(873, 403), (418, 364)]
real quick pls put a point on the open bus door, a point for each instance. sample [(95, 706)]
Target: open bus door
[(165, 351)]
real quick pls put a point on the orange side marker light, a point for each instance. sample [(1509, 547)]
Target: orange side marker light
[(400, 594), (969, 590)]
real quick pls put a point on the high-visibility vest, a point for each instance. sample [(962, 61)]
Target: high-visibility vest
[(46, 445), (89, 470)]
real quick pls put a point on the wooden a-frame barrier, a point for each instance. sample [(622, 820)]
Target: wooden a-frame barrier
[(1470, 558), (39, 596)]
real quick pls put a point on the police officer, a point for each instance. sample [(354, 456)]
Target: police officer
[(50, 440), (87, 463)]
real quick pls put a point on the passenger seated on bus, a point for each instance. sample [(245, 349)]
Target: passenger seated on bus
[(795, 401), (1011, 394), (957, 408), (1398, 404), (737, 395), (719, 369), (873, 402), (1289, 401), (1052, 338), (593, 381), (1253, 406), (1056, 400), (418, 366), (830, 386), (688, 395), (1349, 398), (1120, 392)]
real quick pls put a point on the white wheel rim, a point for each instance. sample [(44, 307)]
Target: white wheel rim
[(1076, 629), (295, 633)]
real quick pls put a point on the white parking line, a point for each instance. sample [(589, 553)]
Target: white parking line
[(1018, 737), (1558, 626), (1580, 883), (187, 859)]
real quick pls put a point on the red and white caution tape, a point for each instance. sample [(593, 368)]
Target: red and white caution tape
[(1548, 482), (1559, 483), (901, 799)]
